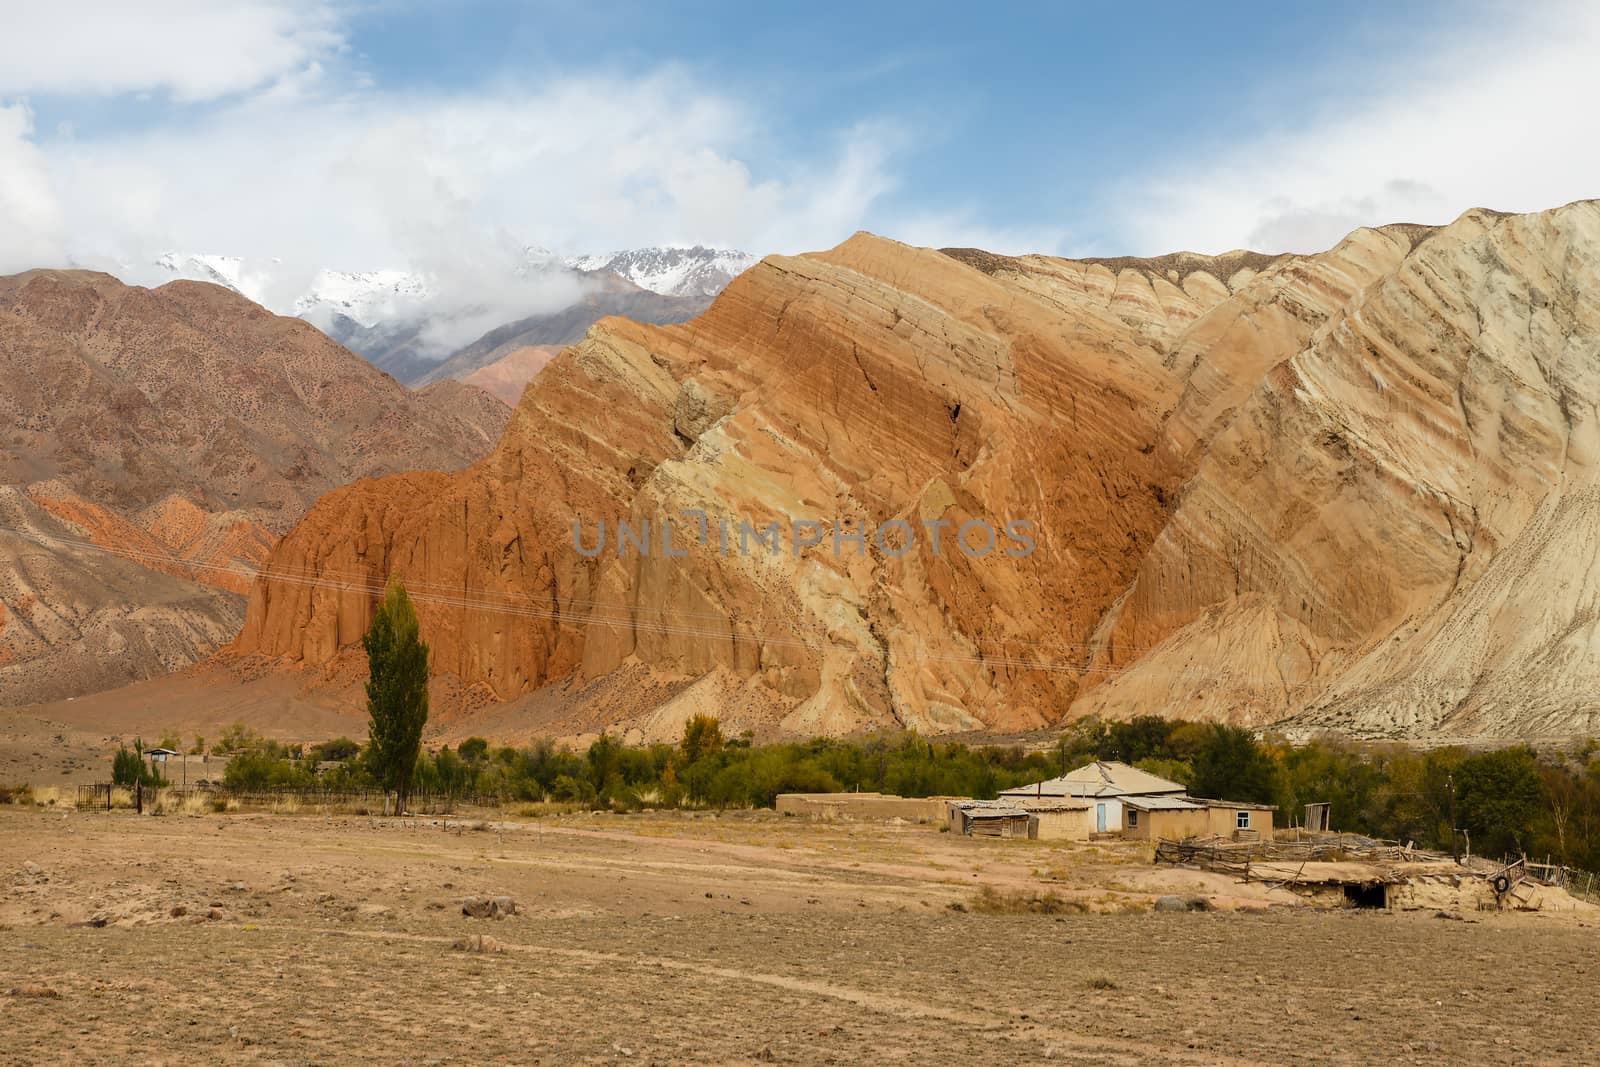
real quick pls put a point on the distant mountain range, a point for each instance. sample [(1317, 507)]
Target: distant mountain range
[(396, 319), (690, 272), (156, 444)]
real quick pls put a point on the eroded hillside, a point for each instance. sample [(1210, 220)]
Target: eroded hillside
[(156, 443), (1350, 488)]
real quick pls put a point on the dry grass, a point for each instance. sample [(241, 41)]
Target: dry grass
[(172, 803), (991, 901), (34, 991)]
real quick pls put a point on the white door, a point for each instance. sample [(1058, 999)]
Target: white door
[(1100, 818)]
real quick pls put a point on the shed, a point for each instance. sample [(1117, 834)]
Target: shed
[(989, 818), (159, 755)]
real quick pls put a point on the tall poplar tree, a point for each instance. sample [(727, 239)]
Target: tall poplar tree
[(397, 693)]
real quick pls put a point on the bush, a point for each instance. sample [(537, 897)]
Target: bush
[(336, 751)]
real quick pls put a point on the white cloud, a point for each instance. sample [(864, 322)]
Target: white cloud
[(451, 186), (386, 180), (30, 221), (1493, 119), (191, 49)]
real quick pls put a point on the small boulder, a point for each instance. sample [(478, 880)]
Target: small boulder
[(1177, 903), (488, 907)]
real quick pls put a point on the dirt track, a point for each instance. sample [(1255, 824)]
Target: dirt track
[(670, 939)]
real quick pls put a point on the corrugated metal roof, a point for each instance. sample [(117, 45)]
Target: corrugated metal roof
[(986, 805), (1102, 778)]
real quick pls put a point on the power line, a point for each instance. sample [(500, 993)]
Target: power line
[(524, 605)]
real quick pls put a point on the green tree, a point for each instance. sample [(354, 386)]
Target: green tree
[(1232, 765), (128, 768), (702, 736), (336, 751), (1498, 797), (397, 693), (474, 750)]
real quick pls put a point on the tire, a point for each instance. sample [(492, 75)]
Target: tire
[(1501, 883)]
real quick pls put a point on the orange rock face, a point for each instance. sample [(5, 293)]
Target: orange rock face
[(1249, 481)]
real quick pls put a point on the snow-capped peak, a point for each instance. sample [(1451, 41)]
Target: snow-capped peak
[(672, 270), (227, 271), (367, 297)]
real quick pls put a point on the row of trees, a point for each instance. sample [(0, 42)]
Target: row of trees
[(1509, 800)]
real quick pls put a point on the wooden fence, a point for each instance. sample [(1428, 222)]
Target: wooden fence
[(1234, 857)]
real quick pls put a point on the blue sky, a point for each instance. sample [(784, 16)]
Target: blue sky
[(411, 133)]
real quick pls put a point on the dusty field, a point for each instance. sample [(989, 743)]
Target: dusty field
[(741, 939)]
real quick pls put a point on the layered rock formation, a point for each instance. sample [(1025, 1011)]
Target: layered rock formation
[(1346, 489), (155, 445)]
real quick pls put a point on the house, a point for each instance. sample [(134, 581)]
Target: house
[(1239, 819), (1177, 817), (1154, 818), (1103, 784), (160, 755)]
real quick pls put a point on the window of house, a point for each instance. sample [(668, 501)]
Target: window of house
[(1133, 818), (1242, 820)]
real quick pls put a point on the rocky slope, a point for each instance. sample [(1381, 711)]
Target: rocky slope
[(506, 377), (1350, 489), (155, 445)]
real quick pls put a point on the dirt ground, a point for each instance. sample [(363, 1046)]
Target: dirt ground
[(746, 938)]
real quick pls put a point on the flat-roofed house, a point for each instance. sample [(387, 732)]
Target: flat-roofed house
[(1153, 818), (1175, 818)]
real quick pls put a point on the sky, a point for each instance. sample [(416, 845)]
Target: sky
[(446, 137)]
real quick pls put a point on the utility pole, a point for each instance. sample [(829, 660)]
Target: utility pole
[(1450, 788)]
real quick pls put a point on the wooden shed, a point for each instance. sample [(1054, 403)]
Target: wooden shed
[(989, 818)]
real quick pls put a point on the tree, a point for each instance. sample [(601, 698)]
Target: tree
[(397, 693), (129, 769), (1499, 795), (336, 751), (702, 736), (1231, 765), (474, 750)]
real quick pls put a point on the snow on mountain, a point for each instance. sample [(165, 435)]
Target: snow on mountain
[(367, 297), (375, 297), (227, 271), (672, 270)]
